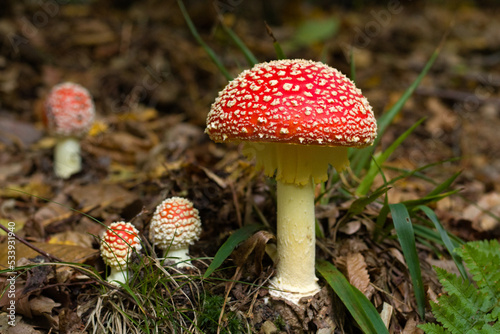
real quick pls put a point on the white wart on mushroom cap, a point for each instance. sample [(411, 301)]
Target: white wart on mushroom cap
[(296, 102), (175, 224)]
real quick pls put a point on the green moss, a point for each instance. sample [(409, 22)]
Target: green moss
[(208, 319)]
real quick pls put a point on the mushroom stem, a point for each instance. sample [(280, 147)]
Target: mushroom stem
[(180, 256), (295, 277), (67, 160), (118, 275)]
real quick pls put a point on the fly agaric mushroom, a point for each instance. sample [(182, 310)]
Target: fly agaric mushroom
[(295, 117), (175, 225), (117, 244), (69, 113)]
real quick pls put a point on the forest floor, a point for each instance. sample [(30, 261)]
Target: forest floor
[(153, 85)]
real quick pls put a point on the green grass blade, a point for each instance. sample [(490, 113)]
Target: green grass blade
[(249, 56), (200, 41), (446, 240), (367, 181), (411, 204), (362, 157), (358, 305), (279, 51), (359, 205), (434, 236), (277, 47), (231, 243), (405, 173), (381, 220), (427, 233), (445, 185), (406, 236), (353, 65)]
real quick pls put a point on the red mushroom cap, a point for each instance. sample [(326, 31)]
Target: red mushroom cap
[(69, 110), (295, 102), (118, 242), (175, 224)]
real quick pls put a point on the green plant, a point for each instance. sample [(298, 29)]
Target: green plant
[(470, 307), (209, 317), (280, 323)]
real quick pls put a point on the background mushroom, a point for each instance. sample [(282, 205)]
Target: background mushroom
[(174, 227), (295, 117), (69, 113), (117, 244)]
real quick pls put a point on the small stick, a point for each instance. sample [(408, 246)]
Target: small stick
[(36, 249)]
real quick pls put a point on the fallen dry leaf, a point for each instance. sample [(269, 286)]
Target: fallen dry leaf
[(479, 213), (386, 314), (442, 120), (41, 305), (251, 252), (411, 326), (21, 327), (67, 253), (73, 238), (357, 274), (102, 195)]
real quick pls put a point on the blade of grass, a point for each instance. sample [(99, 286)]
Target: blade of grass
[(381, 220), (249, 56), (279, 51), (405, 173), (429, 234), (445, 185), (138, 302), (360, 158), (446, 240), (200, 41), (229, 245), (367, 181), (411, 204), (434, 236), (358, 305), (353, 65), (359, 205), (277, 47), (406, 236)]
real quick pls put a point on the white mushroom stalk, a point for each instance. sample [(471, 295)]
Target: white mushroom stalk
[(295, 117), (67, 157), (175, 226), (295, 277)]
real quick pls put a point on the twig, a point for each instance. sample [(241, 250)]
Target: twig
[(36, 249)]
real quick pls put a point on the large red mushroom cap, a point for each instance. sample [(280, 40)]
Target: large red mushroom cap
[(69, 110), (296, 117), (118, 243), (175, 224), (294, 102)]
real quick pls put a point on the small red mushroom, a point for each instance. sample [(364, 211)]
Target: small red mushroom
[(295, 117), (69, 113), (174, 227), (118, 243)]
